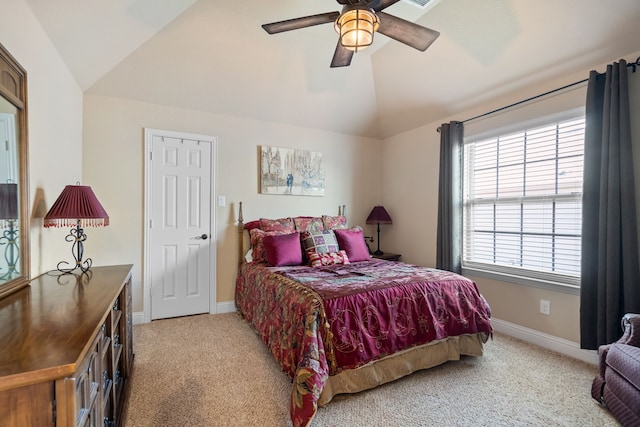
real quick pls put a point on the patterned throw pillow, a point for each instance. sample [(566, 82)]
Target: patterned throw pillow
[(281, 224), (319, 260), (258, 252), (334, 222), (308, 223), (251, 225), (321, 242)]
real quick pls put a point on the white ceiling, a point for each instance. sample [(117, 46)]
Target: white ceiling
[(212, 55)]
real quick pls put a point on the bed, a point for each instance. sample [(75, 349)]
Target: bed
[(338, 321)]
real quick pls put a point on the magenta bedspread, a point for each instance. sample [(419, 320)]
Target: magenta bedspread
[(320, 321)]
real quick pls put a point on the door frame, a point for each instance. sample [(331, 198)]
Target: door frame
[(146, 287)]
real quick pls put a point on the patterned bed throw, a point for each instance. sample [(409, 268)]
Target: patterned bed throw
[(320, 321)]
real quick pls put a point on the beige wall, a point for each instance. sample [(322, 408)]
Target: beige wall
[(113, 166), (55, 127)]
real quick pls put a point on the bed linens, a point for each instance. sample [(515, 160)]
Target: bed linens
[(319, 322), (377, 308)]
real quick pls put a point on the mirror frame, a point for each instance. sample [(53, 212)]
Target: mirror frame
[(13, 88)]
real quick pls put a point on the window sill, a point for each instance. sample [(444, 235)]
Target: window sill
[(522, 280)]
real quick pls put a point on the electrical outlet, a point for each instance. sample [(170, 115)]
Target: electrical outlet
[(545, 307)]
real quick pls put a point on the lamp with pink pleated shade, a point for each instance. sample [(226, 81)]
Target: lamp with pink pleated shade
[(379, 215), (77, 206), (8, 201)]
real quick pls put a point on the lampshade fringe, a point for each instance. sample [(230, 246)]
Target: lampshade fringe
[(84, 222)]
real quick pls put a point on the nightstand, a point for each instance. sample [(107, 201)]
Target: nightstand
[(387, 256)]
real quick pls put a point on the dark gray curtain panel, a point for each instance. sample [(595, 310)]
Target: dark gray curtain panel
[(610, 282), (449, 239)]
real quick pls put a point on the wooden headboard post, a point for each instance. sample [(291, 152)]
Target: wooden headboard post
[(240, 235)]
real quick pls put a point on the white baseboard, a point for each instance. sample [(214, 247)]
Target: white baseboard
[(138, 318), (226, 307), (221, 307), (568, 348)]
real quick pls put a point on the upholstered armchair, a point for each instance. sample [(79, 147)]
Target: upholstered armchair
[(617, 385)]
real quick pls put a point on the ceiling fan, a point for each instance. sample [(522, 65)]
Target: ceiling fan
[(357, 23)]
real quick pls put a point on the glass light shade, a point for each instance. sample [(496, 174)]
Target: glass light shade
[(356, 27)]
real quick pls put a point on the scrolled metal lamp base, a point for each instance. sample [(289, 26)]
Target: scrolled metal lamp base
[(11, 252), (77, 236)]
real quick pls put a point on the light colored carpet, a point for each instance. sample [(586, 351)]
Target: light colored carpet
[(213, 370)]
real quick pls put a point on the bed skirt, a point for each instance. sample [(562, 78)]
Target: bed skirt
[(401, 364)]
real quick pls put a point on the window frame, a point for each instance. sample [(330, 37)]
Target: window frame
[(551, 281)]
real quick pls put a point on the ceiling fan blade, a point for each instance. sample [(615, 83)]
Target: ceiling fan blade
[(358, 2), (341, 57), (414, 35), (379, 5), (297, 23)]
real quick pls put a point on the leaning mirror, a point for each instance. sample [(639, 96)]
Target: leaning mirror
[(14, 189)]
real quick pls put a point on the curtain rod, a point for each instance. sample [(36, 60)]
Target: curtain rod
[(633, 65)]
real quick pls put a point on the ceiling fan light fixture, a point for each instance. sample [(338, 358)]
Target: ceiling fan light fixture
[(356, 26)]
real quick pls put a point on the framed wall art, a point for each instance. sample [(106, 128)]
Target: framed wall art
[(290, 171)]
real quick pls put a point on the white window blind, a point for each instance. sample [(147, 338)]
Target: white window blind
[(523, 202)]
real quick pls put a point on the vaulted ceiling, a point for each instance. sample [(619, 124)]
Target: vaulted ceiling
[(212, 55)]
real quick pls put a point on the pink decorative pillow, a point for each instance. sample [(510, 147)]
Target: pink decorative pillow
[(257, 243), (308, 223), (283, 249), (352, 242), (334, 222), (319, 260), (281, 224), (320, 241)]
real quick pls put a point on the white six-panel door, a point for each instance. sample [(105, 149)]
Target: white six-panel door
[(179, 224)]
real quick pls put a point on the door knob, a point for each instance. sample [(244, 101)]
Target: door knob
[(203, 237)]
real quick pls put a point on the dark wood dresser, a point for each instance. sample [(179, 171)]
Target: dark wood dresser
[(66, 349)]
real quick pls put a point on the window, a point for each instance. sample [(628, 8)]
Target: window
[(522, 207)]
